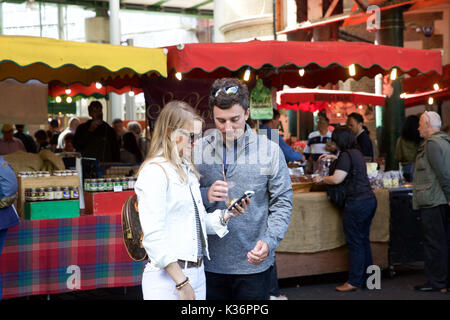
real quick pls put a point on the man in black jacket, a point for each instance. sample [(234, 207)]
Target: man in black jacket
[(355, 122), (95, 138)]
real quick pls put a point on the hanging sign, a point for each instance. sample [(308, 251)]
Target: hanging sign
[(261, 102)]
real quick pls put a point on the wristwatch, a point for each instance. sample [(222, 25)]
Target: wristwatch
[(222, 217)]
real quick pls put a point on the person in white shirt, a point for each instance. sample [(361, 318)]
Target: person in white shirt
[(317, 140), (173, 218), (74, 122)]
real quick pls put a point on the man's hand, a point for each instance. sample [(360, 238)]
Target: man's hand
[(237, 210), (218, 191), (94, 125), (259, 253)]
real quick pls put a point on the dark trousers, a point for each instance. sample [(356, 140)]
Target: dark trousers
[(2, 242), (238, 287), (274, 289), (436, 229), (358, 216)]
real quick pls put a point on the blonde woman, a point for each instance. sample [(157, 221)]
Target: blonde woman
[(172, 215)]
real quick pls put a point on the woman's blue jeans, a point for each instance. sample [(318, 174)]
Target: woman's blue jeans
[(358, 216)]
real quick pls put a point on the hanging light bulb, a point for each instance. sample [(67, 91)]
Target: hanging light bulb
[(68, 91), (403, 95), (301, 72), (360, 107), (352, 70), (179, 76), (131, 93), (394, 74), (58, 99), (69, 100), (338, 114), (98, 85), (430, 101), (436, 86), (247, 75)]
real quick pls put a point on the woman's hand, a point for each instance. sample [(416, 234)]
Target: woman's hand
[(318, 179), (186, 293), (327, 156), (237, 210)]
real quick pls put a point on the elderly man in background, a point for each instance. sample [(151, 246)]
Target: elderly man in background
[(431, 195), (74, 122), (9, 143), (143, 143)]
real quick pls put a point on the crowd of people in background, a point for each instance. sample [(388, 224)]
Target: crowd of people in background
[(93, 139), (422, 151)]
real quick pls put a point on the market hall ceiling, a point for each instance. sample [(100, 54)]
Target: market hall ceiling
[(202, 8)]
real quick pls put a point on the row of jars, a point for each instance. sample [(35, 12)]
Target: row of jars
[(35, 174), (51, 193), (108, 184)]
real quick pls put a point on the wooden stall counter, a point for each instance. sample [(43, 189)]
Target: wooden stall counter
[(315, 241)]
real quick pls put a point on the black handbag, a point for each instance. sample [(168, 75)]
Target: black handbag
[(337, 193)]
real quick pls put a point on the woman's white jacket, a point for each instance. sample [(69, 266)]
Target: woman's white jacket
[(167, 214)]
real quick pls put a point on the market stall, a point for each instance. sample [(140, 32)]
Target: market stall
[(336, 104), (54, 235), (315, 242)]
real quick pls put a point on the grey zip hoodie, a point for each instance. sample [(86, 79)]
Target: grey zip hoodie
[(259, 165)]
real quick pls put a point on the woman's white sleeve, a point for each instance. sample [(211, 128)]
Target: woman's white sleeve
[(151, 189), (213, 224)]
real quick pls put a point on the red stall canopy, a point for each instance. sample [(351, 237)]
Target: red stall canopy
[(323, 62), (119, 86), (425, 82), (416, 99), (320, 95)]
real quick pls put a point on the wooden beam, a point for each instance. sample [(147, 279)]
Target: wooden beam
[(360, 5), (331, 8)]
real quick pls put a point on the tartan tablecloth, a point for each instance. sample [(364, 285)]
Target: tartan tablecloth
[(61, 255)]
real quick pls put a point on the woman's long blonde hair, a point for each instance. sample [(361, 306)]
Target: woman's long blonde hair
[(175, 115)]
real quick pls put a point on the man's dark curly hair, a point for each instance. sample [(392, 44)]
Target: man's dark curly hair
[(219, 98)]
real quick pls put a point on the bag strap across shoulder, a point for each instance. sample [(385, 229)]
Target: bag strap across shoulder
[(167, 179)]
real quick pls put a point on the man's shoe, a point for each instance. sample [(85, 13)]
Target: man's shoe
[(428, 288), (346, 287), (280, 297)]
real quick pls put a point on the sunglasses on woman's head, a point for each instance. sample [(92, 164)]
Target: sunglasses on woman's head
[(228, 90)]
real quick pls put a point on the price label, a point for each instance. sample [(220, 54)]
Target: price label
[(117, 188)]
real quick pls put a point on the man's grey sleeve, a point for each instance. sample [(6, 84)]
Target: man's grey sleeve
[(440, 166), (280, 202)]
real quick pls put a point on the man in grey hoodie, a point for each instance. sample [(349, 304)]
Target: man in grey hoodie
[(231, 160)]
